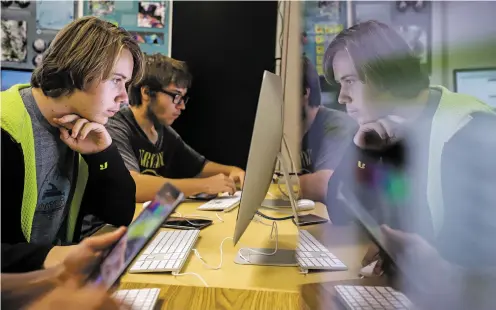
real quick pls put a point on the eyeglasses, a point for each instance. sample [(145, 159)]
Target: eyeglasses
[(176, 98)]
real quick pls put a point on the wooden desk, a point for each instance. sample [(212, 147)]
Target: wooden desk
[(245, 286)]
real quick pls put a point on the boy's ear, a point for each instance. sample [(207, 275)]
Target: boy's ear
[(146, 93), (306, 92)]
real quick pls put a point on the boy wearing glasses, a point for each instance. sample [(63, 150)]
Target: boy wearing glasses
[(152, 151)]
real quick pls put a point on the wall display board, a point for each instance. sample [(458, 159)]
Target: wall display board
[(479, 82), (148, 21), (321, 22), (11, 77), (411, 19), (28, 27)]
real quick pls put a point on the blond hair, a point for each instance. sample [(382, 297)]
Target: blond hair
[(83, 52)]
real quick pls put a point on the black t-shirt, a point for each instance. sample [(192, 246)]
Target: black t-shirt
[(169, 157), (325, 142)]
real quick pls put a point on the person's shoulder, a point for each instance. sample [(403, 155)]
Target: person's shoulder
[(335, 115), (483, 123), (478, 132), (122, 118), (335, 120), (170, 132)]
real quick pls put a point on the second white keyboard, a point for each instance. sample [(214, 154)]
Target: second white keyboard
[(372, 297), (137, 299), (222, 203), (168, 251), (311, 254)]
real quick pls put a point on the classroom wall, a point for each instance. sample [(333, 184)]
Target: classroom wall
[(468, 39), (228, 45)]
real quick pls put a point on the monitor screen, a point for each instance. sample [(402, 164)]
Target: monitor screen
[(480, 83), (11, 77)]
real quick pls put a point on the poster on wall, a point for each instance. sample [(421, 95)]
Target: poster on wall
[(321, 22), (151, 14), (28, 28), (411, 19), (148, 21), (14, 40), (53, 15)]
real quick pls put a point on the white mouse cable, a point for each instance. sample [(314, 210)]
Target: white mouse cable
[(192, 274), (197, 254), (274, 228), (285, 141)]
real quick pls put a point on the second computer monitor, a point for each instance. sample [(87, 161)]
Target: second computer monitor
[(265, 145)]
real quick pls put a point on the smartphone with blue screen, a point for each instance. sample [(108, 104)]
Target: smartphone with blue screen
[(116, 260)]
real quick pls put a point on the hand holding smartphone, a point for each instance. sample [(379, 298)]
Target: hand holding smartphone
[(118, 257)]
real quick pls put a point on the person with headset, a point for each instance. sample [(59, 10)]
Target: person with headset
[(152, 151), (422, 162), (326, 135)]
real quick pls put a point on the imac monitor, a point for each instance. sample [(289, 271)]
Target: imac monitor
[(264, 149), (480, 83), (11, 77)]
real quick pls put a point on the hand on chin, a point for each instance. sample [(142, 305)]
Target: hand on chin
[(82, 135), (379, 134)]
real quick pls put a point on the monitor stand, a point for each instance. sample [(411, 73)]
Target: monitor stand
[(282, 257)]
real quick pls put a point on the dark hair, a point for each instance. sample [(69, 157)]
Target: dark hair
[(160, 71), (311, 80), (83, 52), (381, 56)]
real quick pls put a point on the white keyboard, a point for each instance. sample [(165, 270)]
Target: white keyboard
[(311, 254), (137, 299), (222, 203), (168, 251), (371, 297)]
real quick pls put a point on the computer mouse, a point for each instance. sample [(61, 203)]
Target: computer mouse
[(306, 204), (226, 194), (368, 271)]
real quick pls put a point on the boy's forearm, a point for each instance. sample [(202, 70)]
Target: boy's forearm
[(314, 185), (20, 289), (211, 169), (147, 186)]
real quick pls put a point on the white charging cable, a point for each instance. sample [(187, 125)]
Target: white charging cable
[(197, 254), (298, 192), (256, 219), (192, 274)]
